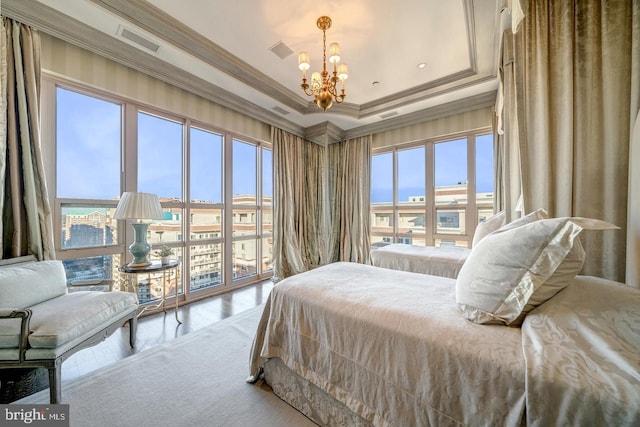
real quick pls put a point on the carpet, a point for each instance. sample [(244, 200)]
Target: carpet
[(195, 380)]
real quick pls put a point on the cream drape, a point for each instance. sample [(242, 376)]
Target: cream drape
[(288, 211), (350, 173), (297, 199), (633, 211), (507, 171), (569, 106), (26, 225), (320, 203)]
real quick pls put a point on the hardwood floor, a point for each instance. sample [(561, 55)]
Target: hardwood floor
[(159, 328)]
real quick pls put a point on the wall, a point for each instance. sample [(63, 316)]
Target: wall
[(73, 63)]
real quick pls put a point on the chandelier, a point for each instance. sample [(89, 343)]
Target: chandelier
[(323, 84)]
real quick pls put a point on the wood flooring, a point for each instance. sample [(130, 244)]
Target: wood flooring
[(159, 328)]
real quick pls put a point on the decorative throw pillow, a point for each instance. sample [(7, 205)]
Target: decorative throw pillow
[(487, 226), (514, 270)]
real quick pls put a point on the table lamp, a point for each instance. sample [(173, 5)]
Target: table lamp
[(139, 206)]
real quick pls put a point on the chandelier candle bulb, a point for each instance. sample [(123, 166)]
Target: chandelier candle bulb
[(323, 84)]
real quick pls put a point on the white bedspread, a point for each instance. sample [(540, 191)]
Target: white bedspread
[(582, 351), (444, 261), (394, 347)]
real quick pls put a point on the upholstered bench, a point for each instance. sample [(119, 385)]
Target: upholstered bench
[(41, 325)]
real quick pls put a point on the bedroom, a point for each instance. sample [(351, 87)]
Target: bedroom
[(79, 68)]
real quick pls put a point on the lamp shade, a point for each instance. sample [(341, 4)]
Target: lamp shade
[(334, 53), (303, 61), (138, 206), (343, 71)]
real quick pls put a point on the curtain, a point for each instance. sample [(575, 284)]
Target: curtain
[(27, 225), (507, 172), (298, 196), (335, 168), (633, 213), (321, 203), (349, 185), (569, 108), (315, 218)]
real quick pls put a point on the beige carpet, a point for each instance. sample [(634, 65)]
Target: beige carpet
[(195, 380)]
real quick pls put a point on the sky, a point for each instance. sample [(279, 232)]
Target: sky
[(90, 128), (88, 138)]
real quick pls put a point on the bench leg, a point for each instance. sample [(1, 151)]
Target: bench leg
[(133, 327), (55, 384)]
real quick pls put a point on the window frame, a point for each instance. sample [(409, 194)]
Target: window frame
[(128, 182), (431, 236)]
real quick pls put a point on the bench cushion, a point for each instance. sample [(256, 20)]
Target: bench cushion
[(61, 320), (24, 285)]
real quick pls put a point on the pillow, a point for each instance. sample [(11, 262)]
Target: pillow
[(487, 226), (536, 215), (514, 270)]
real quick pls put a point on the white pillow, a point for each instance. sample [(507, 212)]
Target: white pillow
[(487, 226), (514, 270), (536, 215)]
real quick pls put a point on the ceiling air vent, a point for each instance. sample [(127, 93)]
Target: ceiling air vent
[(280, 110), (138, 39), (281, 49), (387, 115)]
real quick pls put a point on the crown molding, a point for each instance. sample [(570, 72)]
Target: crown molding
[(471, 103), (163, 26), (63, 27), (324, 133), (141, 13)]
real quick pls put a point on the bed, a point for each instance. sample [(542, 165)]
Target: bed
[(326, 339), (444, 261), (338, 326), (352, 344)]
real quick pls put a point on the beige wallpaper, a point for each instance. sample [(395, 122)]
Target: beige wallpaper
[(462, 122), (79, 65)]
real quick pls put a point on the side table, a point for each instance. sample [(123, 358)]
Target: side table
[(156, 271)]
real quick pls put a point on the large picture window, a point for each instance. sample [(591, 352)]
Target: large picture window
[(220, 229), (433, 192)]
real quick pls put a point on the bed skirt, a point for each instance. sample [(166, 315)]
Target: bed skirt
[(307, 398)]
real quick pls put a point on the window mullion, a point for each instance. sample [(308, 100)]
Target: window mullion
[(430, 219), (472, 214)]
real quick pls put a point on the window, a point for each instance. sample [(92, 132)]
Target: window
[(484, 176), (159, 156), (421, 193), (245, 198), (88, 135), (88, 142), (102, 151)]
